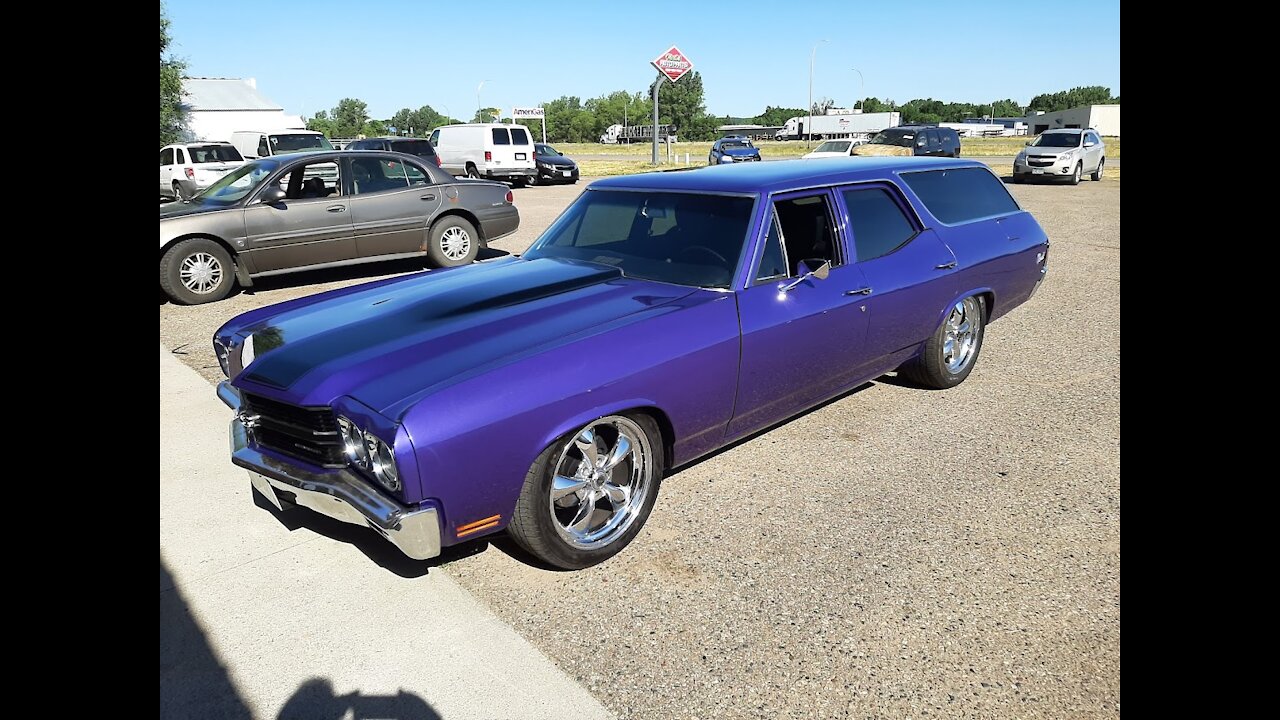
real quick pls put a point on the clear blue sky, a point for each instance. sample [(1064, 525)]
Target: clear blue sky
[(308, 55)]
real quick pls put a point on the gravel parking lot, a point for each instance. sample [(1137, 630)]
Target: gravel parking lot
[(894, 553)]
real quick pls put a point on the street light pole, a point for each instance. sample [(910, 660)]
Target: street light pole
[(809, 128), (864, 88), (478, 112)]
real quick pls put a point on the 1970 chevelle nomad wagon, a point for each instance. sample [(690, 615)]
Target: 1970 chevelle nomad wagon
[(660, 317)]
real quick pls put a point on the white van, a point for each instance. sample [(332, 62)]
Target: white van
[(254, 144), (486, 150)]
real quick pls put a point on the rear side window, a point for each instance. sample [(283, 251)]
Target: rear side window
[(877, 222), (500, 137), (519, 136), (962, 194)]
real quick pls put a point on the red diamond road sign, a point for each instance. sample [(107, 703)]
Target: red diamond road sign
[(673, 64)]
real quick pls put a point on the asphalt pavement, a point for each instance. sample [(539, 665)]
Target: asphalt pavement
[(261, 619)]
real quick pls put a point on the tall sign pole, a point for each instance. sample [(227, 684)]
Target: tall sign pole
[(672, 65)]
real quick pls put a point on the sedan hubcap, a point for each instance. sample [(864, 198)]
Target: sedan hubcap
[(602, 478), (200, 273), (960, 336), (455, 243)]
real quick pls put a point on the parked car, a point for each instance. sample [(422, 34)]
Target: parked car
[(907, 140), (835, 148), (486, 150), (189, 168), (1061, 155), (553, 166), (733, 149), (659, 318), (420, 147), (276, 215)]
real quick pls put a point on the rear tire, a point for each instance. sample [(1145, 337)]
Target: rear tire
[(534, 180), (472, 172), (519, 182), (452, 242), (177, 191), (575, 511), (196, 271), (1097, 174), (950, 354)]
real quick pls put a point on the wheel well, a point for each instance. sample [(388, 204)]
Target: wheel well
[(458, 212), (989, 303), (665, 427), (472, 166), (230, 251)]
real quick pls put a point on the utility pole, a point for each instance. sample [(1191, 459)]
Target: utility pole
[(657, 83)]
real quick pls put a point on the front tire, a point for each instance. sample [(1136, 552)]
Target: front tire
[(1075, 176), (452, 242), (950, 354), (1097, 174), (588, 494), (196, 271)]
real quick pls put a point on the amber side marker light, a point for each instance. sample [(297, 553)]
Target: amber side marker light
[(477, 526)]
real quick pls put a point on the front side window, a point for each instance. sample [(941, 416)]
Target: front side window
[(435, 138), (501, 136), (166, 156), (263, 150), (808, 232), (898, 138), (773, 263), (687, 239), (878, 224), (962, 194), (372, 175)]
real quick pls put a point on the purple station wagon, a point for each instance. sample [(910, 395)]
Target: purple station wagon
[(660, 317)]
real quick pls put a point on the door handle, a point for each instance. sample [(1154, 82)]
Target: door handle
[(427, 197), (946, 266), (859, 291), (338, 208)]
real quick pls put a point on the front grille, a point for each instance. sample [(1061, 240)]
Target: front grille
[(1041, 162), (309, 434)]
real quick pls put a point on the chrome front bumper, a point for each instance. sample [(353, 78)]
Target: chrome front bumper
[(340, 494)]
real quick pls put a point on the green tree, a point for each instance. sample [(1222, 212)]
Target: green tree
[(374, 128), (777, 115), (1075, 97), (487, 115), (822, 105), (349, 117), (320, 122), (172, 115), (683, 104)]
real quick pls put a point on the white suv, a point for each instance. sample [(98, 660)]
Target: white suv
[(486, 150), (187, 169)]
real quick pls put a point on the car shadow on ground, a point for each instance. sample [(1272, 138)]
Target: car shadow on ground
[(194, 682), (342, 274), (366, 540)]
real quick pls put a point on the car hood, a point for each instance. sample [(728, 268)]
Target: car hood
[(1048, 151), (391, 343), (560, 160), (740, 152), (875, 150), (179, 209)]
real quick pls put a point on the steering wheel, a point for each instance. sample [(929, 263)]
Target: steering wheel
[(704, 250)]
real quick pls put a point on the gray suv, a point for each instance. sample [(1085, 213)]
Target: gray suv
[(1061, 155)]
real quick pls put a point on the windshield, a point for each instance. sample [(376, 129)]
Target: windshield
[(679, 238), (294, 143), (213, 153), (1057, 140), (234, 186), (734, 144), (900, 138), (834, 146), (547, 150), (421, 148)]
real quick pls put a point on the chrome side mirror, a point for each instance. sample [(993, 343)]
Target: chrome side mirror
[(818, 270)]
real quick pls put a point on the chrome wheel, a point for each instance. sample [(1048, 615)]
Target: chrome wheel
[(960, 334), (455, 243), (602, 478), (200, 273)]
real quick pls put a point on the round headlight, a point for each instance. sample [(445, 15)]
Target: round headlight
[(353, 445), (384, 463)]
